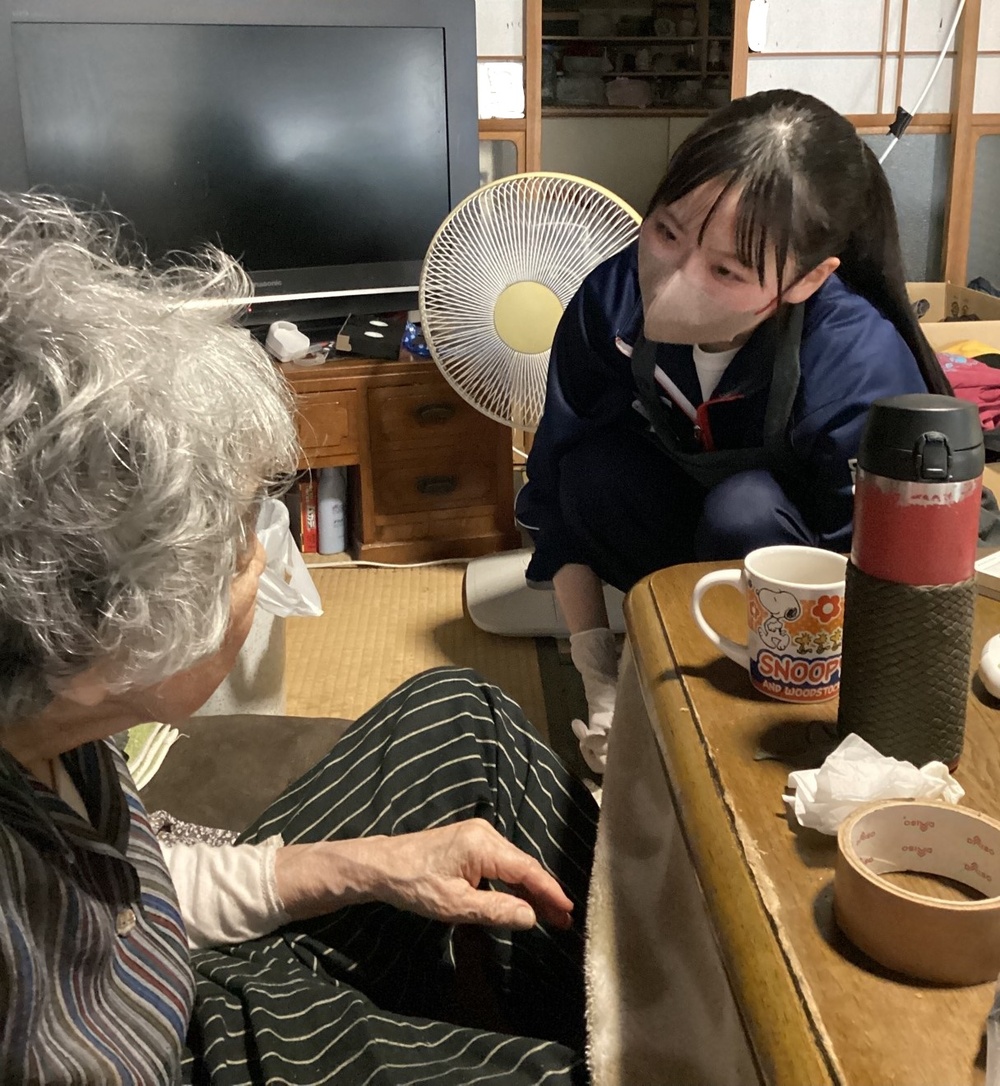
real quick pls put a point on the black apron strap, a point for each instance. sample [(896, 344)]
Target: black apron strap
[(676, 435), (785, 379)]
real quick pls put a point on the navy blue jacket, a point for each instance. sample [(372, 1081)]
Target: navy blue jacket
[(850, 355)]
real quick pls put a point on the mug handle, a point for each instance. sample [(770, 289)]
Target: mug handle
[(740, 654)]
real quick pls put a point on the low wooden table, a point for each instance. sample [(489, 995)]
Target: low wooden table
[(814, 1009)]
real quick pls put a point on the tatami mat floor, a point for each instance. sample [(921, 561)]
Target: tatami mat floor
[(381, 626)]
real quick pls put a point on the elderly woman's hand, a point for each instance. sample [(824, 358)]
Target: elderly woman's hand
[(435, 873)]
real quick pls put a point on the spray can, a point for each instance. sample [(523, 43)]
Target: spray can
[(330, 510)]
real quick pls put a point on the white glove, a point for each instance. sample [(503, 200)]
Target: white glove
[(595, 656)]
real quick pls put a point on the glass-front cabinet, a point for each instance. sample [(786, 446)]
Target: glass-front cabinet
[(612, 56)]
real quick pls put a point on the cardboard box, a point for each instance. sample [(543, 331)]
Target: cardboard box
[(935, 301), (942, 336)]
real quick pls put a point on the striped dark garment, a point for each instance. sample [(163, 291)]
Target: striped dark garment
[(372, 996), (95, 984), (95, 978)]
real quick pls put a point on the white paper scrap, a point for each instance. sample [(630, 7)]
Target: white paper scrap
[(855, 774)]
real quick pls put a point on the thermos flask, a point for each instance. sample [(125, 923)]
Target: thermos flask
[(910, 590)]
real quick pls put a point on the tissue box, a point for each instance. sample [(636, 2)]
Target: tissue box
[(988, 575)]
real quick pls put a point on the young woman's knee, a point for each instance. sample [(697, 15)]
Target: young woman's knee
[(746, 511), (457, 699)]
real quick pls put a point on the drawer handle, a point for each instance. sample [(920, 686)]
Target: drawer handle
[(437, 484), (434, 412)]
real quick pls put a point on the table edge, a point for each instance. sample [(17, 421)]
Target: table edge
[(788, 1042)]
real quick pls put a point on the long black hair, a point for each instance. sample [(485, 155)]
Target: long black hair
[(811, 188)]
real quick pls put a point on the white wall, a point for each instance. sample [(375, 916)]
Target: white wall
[(499, 28), (625, 154)]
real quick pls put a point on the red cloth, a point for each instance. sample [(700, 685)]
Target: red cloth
[(976, 382)]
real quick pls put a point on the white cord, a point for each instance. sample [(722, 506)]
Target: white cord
[(520, 452), (885, 153), (927, 86)]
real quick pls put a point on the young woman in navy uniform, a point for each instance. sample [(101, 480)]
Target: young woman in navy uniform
[(708, 385)]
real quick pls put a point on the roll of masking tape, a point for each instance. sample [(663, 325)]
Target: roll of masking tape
[(951, 942)]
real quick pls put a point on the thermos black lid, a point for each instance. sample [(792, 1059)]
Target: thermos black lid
[(922, 437)]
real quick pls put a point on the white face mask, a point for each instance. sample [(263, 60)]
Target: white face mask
[(678, 311)]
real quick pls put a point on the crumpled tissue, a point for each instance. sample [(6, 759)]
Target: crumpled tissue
[(855, 774)]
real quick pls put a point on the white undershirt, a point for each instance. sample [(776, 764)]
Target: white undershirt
[(711, 365), (66, 790)]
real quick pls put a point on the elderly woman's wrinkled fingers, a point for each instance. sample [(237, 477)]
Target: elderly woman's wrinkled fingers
[(466, 853), (504, 862), (461, 903)]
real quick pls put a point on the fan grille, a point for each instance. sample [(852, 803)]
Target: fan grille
[(540, 228)]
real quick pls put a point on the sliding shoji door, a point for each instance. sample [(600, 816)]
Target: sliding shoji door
[(868, 57)]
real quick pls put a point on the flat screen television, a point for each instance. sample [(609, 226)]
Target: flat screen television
[(320, 141)]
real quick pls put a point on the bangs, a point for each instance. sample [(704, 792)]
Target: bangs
[(763, 219)]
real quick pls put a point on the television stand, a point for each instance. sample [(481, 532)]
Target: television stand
[(429, 476)]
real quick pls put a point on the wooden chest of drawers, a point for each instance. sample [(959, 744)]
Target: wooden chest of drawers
[(430, 477)]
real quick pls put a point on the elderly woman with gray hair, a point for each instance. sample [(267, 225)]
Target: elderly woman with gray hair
[(139, 428)]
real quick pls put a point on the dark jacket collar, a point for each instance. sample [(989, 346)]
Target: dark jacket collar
[(34, 811)]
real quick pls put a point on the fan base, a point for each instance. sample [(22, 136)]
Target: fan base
[(499, 600)]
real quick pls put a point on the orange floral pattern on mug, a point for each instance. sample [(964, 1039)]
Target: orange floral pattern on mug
[(755, 611), (828, 609), (818, 629)]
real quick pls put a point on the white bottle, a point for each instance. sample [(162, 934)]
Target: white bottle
[(330, 508)]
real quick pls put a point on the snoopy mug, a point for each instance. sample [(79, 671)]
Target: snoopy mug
[(795, 620)]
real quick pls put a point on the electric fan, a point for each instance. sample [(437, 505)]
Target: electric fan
[(496, 279)]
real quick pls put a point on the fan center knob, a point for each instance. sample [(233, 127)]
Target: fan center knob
[(525, 316)]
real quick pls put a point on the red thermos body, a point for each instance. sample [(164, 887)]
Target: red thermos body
[(917, 491)]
